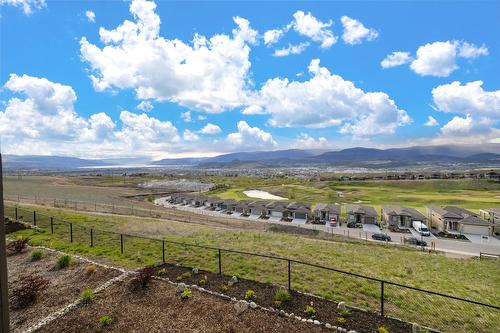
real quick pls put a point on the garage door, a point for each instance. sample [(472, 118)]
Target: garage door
[(276, 214), (475, 229)]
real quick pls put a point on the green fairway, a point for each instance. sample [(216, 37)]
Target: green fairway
[(397, 264)]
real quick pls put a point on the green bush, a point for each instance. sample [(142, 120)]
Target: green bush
[(186, 293), (250, 294), (63, 261), (36, 255), (382, 329), (87, 295), (341, 320), (344, 312), (203, 281), (162, 272), (282, 295), (310, 311), (105, 320)]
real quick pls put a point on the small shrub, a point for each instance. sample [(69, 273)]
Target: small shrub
[(29, 287), (282, 295), (87, 296), (234, 279), (63, 261), (178, 278), (105, 320), (344, 312), (162, 272), (90, 269), (310, 311), (277, 304), (143, 277), (382, 329), (18, 245), (186, 293), (203, 282), (36, 255), (224, 287), (250, 294), (186, 275), (195, 271), (341, 320)]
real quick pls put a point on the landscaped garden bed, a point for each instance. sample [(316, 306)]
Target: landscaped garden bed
[(159, 308), (265, 295), (57, 286)]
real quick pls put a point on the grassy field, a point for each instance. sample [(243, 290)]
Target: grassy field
[(473, 279), (471, 194)]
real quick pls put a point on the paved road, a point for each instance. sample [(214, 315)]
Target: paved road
[(454, 247)]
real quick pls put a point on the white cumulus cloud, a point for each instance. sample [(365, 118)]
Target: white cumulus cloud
[(190, 136), (308, 25), (327, 100), (273, 36), (90, 16), (210, 129), (27, 5), (291, 49), (145, 106), (249, 137), (305, 141), (396, 58), (431, 122), (355, 32), (210, 74)]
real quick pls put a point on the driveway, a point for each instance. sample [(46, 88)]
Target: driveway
[(478, 239), (371, 228), (415, 234)]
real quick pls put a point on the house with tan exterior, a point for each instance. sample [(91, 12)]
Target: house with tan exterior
[(456, 220), (325, 213), (361, 214), (492, 215)]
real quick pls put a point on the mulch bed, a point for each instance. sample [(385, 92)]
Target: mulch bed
[(65, 285), (159, 309), (13, 226), (451, 236), (358, 320)]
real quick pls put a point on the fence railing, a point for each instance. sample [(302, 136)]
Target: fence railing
[(428, 308)]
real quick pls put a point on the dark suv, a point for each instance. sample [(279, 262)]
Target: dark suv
[(415, 241), (381, 237)]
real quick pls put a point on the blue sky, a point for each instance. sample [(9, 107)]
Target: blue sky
[(120, 78)]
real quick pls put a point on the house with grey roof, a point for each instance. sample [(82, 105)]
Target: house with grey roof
[(457, 220), (243, 207), (258, 209), (297, 212), (324, 213), (213, 203), (361, 214), (276, 209), (401, 217), (228, 205)]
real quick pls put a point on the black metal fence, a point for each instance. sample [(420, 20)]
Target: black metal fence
[(428, 308)]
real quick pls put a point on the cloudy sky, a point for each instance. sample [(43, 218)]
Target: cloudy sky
[(169, 79)]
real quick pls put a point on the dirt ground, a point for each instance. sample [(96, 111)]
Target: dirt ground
[(160, 309), (65, 285)]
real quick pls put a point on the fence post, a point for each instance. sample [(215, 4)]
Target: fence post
[(71, 232), (16, 213), (91, 237), (382, 298), (289, 275), (220, 263), (51, 225), (163, 249), (34, 217), (121, 243)]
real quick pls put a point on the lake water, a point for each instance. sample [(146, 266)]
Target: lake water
[(262, 195)]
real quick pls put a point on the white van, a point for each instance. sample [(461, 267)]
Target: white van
[(421, 228)]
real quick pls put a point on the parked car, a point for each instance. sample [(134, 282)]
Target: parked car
[(381, 237), (415, 241), (354, 225), (421, 228)]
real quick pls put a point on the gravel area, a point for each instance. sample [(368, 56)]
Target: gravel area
[(160, 309), (65, 285)]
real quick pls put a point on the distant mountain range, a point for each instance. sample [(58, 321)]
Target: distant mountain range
[(473, 155)]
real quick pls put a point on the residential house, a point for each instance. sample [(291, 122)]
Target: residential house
[(401, 217), (326, 213), (361, 214), (228, 205), (453, 219), (243, 207), (213, 203), (258, 208), (492, 215), (276, 209), (298, 212)]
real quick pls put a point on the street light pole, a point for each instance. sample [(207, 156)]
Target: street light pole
[(4, 286)]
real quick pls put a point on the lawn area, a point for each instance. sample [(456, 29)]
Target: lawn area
[(472, 279)]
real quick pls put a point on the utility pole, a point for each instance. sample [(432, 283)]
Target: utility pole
[(4, 286)]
